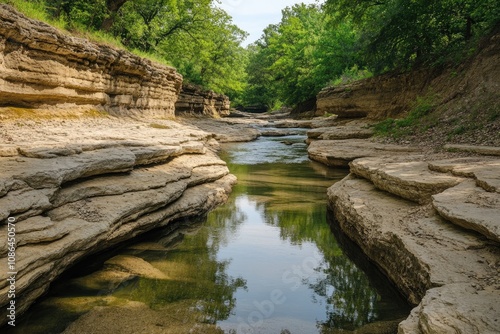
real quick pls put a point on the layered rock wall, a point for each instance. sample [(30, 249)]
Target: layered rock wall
[(425, 225), (76, 183), (41, 67), (194, 100), (376, 98)]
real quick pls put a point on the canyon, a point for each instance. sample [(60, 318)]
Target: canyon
[(91, 155)]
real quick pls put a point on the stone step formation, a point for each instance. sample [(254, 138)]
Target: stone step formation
[(123, 178), (431, 224)]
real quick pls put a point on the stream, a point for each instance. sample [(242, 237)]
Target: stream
[(268, 261)]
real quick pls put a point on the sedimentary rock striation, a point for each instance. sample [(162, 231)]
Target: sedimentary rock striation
[(70, 198), (195, 101), (426, 224), (41, 67), (376, 98), (77, 174)]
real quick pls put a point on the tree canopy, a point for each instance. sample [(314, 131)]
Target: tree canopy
[(317, 45)]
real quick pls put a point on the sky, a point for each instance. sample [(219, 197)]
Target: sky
[(254, 15)]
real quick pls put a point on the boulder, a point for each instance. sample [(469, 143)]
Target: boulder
[(135, 266), (471, 207)]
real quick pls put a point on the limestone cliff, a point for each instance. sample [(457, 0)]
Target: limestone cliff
[(194, 100), (81, 186), (73, 181), (377, 98), (41, 67)]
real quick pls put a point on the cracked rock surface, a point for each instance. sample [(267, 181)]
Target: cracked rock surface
[(80, 186)]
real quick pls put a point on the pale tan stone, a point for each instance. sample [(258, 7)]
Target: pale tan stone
[(471, 207)]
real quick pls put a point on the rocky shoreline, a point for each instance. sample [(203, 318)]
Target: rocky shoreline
[(89, 158), (81, 186), (428, 220)]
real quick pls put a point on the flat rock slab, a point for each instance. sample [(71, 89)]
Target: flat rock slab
[(317, 122), (418, 251), (226, 132), (485, 150), (279, 132), (485, 171), (121, 178), (455, 308), (411, 180), (338, 153), (471, 207), (340, 132)]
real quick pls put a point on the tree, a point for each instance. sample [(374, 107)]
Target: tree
[(405, 33), (299, 56), (113, 6)]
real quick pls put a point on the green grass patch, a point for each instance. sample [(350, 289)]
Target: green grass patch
[(405, 126), (350, 75), (36, 10)]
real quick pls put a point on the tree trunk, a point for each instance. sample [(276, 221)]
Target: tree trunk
[(468, 28), (113, 7)]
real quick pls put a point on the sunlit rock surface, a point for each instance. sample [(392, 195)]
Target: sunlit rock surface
[(81, 186), (409, 215), (40, 67)]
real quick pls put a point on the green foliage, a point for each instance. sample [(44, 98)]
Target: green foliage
[(313, 45), (296, 58), (36, 10), (399, 127), (196, 37), (352, 74), (404, 33)]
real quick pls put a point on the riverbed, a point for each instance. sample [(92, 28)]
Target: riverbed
[(268, 261)]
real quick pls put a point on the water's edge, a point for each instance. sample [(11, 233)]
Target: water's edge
[(270, 260)]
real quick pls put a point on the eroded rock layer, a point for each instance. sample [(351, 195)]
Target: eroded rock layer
[(433, 229), (196, 101), (377, 98), (82, 186), (40, 67)]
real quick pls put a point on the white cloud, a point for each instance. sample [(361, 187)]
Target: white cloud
[(255, 15)]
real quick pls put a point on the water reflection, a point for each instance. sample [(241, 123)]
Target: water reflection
[(325, 290), (266, 262)]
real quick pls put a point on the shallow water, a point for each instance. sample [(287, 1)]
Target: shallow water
[(266, 262)]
